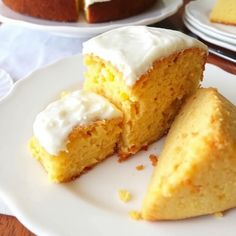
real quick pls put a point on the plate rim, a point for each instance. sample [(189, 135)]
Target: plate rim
[(205, 30), (210, 26), (207, 37), (69, 29), (10, 200)]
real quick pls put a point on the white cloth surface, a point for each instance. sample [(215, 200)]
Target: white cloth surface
[(24, 50)]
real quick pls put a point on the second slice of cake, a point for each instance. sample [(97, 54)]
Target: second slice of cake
[(74, 133), (196, 171), (147, 73)]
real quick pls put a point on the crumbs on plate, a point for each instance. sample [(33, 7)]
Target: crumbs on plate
[(153, 159), (140, 167), (218, 214), (135, 215), (64, 94), (124, 195)]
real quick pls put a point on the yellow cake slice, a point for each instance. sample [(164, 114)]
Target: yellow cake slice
[(74, 133), (196, 173), (147, 73), (224, 11)]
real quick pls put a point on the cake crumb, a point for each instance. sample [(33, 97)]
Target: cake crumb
[(125, 196), (135, 215), (140, 167), (218, 214), (122, 157), (64, 94), (144, 148), (153, 159)]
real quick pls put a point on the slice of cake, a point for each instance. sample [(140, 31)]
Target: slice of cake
[(74, 133), (224, 11), (147, 73), (196, 173)]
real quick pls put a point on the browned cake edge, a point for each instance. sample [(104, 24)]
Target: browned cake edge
[(125, 155), (223, 22), (116, 9), (58, 10), (84, 132)]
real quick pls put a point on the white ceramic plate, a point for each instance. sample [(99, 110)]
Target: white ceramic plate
[(161, 10), (90, 204), (199, 12), (205, 30), (208, 37)]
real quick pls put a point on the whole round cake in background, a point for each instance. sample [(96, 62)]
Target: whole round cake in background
[(69, 10)]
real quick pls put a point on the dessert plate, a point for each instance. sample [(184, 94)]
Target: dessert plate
[(205, 30), (89, 205), (208, 37), (199, 12), (161, 10)]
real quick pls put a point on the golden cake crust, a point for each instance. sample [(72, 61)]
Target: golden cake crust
[(116, 9), (195, 174), (224, 11), (67, 10), (59, 10)]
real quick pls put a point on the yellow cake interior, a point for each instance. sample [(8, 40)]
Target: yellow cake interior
[(196, 171), (87, 145), (149, 106), (224, 11)]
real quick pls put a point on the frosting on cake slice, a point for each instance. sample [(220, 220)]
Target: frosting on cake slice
[(74, 133), (147, 73), (196, 171)]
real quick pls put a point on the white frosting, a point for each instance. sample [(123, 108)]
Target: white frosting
[(133, 49), (90, 2), (53, 125)]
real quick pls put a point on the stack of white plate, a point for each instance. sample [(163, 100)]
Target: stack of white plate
[(196, 19)]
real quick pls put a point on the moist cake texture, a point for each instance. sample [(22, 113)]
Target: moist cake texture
[(196, 171), (74, 133), (147, 73)]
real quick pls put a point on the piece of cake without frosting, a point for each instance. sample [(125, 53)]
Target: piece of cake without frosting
[(196, 171), (74, 133), (224, 11), (147, 73)]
